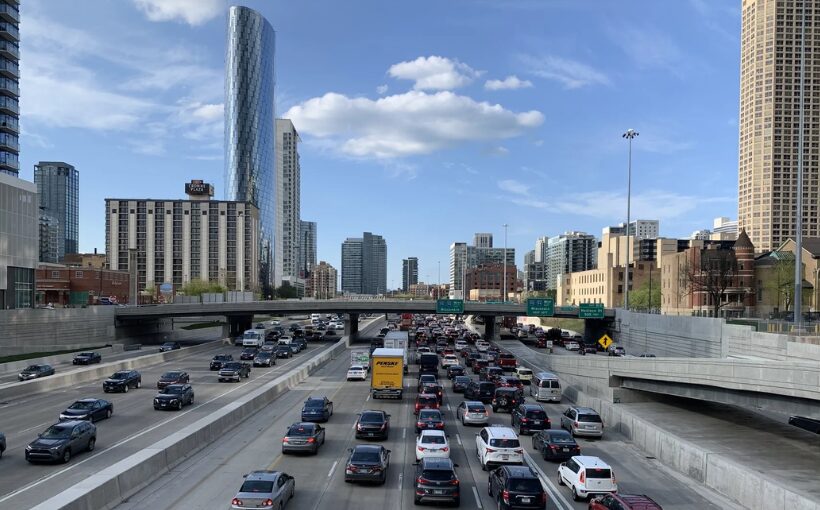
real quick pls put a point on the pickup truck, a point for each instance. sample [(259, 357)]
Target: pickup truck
[(234, 371)]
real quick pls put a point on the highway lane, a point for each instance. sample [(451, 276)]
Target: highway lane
[(135, 424)]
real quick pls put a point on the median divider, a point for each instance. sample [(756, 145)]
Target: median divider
[(16, 366), (112, 485)]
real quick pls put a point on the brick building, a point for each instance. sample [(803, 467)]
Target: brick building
[(484, 282), (62, 285)]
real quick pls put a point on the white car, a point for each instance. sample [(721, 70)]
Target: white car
[(482, 346), (461, 344), (433, 444), (420, 351), (586, 476), (525, 374), (498, 445), (356, 373), (449, 359), (571, 345)]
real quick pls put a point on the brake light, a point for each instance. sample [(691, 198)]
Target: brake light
[(440, 425), (583, 477), (311, 440), (490, 450), (542, 498), (236, 502), (524, 420), (454, 482), (284, 440), (446, 449), (421, 448), (421, 480), (268, 502), (505, 496)]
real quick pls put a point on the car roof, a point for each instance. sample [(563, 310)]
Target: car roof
[(501, 432), (320, 399), (374, 411), (473, 403), (437, 464), (367, 448), (265, 475), (439, 433), (589, 461), (586, 410), (520, 471), (90, 399), (430, 411), (175, 386), (533, 407), (69, 424), (639, 501)]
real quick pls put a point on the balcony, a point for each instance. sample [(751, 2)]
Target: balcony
[(9, 31), (9, 50), (9, 87), (9, 124), (9, 13), (9, 68), (9, 143), (9, 105)]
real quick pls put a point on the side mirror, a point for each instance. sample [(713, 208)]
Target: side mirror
[(350, 450), (388, 451), (563, 464)]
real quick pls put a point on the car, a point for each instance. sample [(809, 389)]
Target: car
[(174, 396), (433, 389), (356, 373), (424, 379), (480, 390), (809, 424), (646, 355), (616, 350), (572, 345), (460, 383), (582, 421), (524, 374), (426, 401), (516, 487), (264, 359), (507, 361), (429, 419), (506, 399), (432, 444), (367, 463), (587, 349), (373, 424), (317, 408), (248, 353), (529, 418), (173, 377), (283, 351), (498, 445), (587, 476), (35, 372), (294, 347), (122, 380), (454, 370), (449, 360), (303, 437), (169, 346), (264, 489), (220, 359), (234, 371), (479, 363), (472, 412), (624, 502), (268, 346), (508, 381), (2, 443), (482, 345), (61, 441), (555, 444), (91, 409), (436, 481), (87, 358)]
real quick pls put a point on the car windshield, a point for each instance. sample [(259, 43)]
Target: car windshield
[(315, 404), (356, 368), (505, 443), (173, 376), (513, 380), (433, 439), (55, 432), (525, 485), (561, 438), (365, 456), (429, 415), (589, 418), (233, 366), (263, 355), (258, 486), (168, 344), (428, 400), (371, 418), (85, 354), (82, 404), (221, 357), (437, 475), (120, 375), (173, 389), (300, 430), (476, 408), (525, 371)]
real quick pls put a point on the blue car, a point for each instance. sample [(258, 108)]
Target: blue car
[(317, 409)]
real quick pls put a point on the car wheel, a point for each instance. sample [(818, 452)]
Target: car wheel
[(105, 390), (179, 405), (66, 456), (575, 496), (108, 414), (91, 444), (416, 501), (560, 480), (125, 388)]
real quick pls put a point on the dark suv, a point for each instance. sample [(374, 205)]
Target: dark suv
[(62, 440), (436, 481), (122, 380), (480, 390), (173, 377), (506, 399), (516, 487), (529, 418), (219, 360), (86, 358)]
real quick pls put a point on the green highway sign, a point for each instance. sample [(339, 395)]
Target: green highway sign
[(591, 311), (455, 306), (540, 307)]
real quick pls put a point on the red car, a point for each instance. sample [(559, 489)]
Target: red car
[(507, 361), (509, 382), (624, 501), (425, 401)]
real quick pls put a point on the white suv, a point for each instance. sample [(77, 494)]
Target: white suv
[(498, 445), (586, 476), (432, 443), (461, 344)]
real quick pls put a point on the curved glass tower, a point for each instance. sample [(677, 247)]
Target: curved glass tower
[(250, 126)]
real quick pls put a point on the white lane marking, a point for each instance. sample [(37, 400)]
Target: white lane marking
[(546, 482), (458, 438), (354, 425), (448, 407), (36, 426), (404, 433), (332, 468), (477, 500), (401, 475)]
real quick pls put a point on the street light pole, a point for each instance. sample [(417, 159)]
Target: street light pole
[(504, 289), (798, 219), (629, 135), (438, 281)]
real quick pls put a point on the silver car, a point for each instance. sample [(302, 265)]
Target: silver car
[(582, 421), (264, 489), (472, 412)]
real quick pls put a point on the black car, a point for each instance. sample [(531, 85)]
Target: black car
[(490, 373), (433, 389), (2, 443), (471, 357), (425, 379), (506, 399), (122, 380), (373, 424), (173, 377), (174, 397), (460, 383), (35, 372), (219, 360), (234, 371), (429, 419), (436, 482), (367, 463), (530, 418), (87, 358), (557, 444), (301, 342), (454, 370), (264, 359), (169, 346), (516, 487), (303, 437), (480, 363), (317, 409), (248, 354), (91, 409), (480, 390), (283, 351), (61, 441)]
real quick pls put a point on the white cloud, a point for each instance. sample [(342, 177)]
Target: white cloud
[(382, 89), (406, 124), (508, 83), (193, 12), (572, 74), (513, 186), (650, 48), (434, 73), (498, 150)]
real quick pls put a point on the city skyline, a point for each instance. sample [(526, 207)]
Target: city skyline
[(537, 143)]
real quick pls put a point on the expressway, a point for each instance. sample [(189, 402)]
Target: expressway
[(210, 478), (134, 425)]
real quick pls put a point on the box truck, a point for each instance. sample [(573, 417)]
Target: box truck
[(387, 373), (398, 340)]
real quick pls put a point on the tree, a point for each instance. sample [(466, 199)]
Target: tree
[(717, 272), (781, 280), (640, 298), (287, 291), (199, 287)]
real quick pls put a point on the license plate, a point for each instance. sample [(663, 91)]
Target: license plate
[(536, 422), (525, 500), (370, 433), (566, 449), (438, 491), (505, 457)]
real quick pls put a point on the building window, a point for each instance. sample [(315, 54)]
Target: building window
[(78, 274), (55, 274)]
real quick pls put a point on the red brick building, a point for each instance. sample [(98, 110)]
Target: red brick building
[(484, 282), (62, 285)]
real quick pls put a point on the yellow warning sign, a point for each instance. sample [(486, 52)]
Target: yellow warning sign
[(605, 341)]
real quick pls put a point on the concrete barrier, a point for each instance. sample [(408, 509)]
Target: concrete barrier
[(118, 482), (16, 366)]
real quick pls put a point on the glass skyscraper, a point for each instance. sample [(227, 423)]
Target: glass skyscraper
[(9, 87), (58, 185), (249, 125)]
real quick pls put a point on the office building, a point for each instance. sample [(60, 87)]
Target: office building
[(181, 241), (535, 272), (58, 185), (486, 281), (9, 87), (724, 229), (639, 229), (483, 240), (569, 253), (249, 127), (19, 246), (364, 265), (702, 234), (409, 273), (288, 175), (49, 239), (769, 121), (464, 257), (307, 247), (540, 252), (323, 281)]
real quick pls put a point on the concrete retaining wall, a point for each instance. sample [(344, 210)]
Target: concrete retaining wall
[(38, 330), (669, 335)]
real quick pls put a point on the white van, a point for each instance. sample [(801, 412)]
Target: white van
[(545, 386), (315, 317), (285, 340)]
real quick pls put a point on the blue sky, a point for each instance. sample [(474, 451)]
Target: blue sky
[(421, 121)]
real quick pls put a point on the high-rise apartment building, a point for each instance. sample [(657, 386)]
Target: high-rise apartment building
[(307, 247), (769, 120), (58, 185), (409, 273), (638, 229), (569, 253), (50, 244), (323, 280), (288, 175), (483, 240), (9, 87), (364, 265), (249, 126), (19, 216), (540, 252), (464, 257)]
